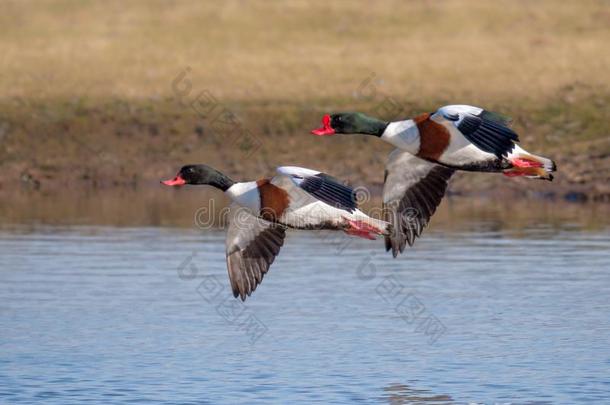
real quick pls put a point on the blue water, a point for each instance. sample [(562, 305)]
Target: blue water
[(113, 315)]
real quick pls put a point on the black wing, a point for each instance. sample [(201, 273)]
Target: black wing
[(331, 191), (323, 187), (486, 130)]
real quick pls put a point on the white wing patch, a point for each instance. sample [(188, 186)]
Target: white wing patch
[(295, 171)]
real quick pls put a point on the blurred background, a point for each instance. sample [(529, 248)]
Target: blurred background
[(504, 298), (99, 100)]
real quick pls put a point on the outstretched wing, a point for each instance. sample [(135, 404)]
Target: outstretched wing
[(486, 130), (322, 186), (252, 244), (413, 189)]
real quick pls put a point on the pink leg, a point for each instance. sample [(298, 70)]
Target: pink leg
[(522, 162), (514, 174), (360, 234), (362, 230)]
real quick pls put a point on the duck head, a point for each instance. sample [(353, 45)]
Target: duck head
[(350, 123), (200, 175)]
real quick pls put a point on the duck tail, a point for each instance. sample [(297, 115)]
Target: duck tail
[(530, 165)]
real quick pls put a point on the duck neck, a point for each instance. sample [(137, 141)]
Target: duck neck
[(221, 181), (373, 126)]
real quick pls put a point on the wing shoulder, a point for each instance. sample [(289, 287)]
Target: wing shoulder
[(322, 186), (486, 130)]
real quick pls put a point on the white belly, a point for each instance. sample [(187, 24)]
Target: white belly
[(319, 215), (314, 215)]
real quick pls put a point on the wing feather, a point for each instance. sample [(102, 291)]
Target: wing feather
[(413, 189), (486, 130), (252, 245), (322, 187)]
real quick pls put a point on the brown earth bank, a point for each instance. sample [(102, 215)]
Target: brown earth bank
[(81, 144)]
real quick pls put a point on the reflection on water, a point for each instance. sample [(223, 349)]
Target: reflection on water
[(165, 206), (401, 394), (106, 315)]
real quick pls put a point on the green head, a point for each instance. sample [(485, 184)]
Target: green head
[(350, 123)]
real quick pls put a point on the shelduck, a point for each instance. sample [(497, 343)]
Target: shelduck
[(262, 210), (430, 148)]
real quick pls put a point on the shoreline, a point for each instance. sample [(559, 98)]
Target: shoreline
[(462, 185), (189, 206)]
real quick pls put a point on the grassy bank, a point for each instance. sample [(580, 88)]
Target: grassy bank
[(100, 94)]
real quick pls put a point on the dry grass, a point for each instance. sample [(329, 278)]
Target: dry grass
[(305, 50)]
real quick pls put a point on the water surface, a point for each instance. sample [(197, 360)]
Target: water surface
[(125, 315)]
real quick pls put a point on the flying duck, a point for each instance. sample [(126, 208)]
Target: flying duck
[(261, 211), (430, 148)]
